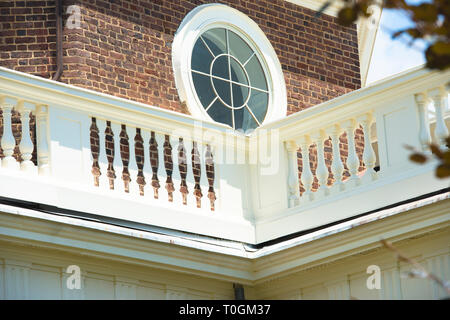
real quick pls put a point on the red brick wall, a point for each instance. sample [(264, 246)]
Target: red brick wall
[(28, 36), (123, 47)]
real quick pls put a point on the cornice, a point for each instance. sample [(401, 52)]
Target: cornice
[(244, 267)]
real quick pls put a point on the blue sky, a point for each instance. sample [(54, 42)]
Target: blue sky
[(391, 56)]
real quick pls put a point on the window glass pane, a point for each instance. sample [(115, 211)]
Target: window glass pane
[(220, 113), (203, 88), (220, 68), (216, 40), (244, 120), (223, 90), (256, 74), (201, 57), (240, 94), (238, 47), (258, 104), (237, 73)]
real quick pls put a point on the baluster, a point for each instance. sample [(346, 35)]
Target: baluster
[(102, 159), (439, 96), (322, 171), (424, 131), (337, 167), (369, 156), (190, 182), (132, 164), (117, 162), (42, 145), (196, 173), (307, 177), (140, 161), (155, 152), (176, 174), (210, 173), (8, 143), (352, 158), (147, 169), (183, 169), (109, 150), (204, 185), (162, 173), (168, 164), (26, 145), (293, 182)]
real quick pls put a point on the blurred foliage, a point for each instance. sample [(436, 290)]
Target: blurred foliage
[(443, 157), (431, 23)]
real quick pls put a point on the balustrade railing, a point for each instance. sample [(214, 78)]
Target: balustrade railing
[(371, 123), (81, 150)]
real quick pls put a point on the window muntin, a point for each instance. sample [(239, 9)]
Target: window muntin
[(229, 79)]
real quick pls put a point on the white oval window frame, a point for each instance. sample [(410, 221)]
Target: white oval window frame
[(216, 15)]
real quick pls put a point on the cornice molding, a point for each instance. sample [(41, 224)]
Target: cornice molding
[(249, 268)]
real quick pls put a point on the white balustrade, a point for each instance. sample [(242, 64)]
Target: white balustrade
[(438, 96), (62, 143), (369, 156), (8, 142), (293, 183), (117, 162), (307, 176), (190, 183), (102, 158), (162, 173), (26, 145), (147, 168), (337, 167), (424, 125), (132, 165), (42, 140), (352, 157), (321, 171), (176, 178), (205, 203)]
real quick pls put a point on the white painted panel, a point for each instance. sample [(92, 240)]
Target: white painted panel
[(359, 290), (400, 129), (99, 289), (70, 146), (440, 267), (44, 285), (125, 290), (176, 293), (315, 293), (198, 295), (232, 186), (339, 290), (391, 284), (150, 293), (16, 280)]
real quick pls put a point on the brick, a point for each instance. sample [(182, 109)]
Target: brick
[(119, 41)]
